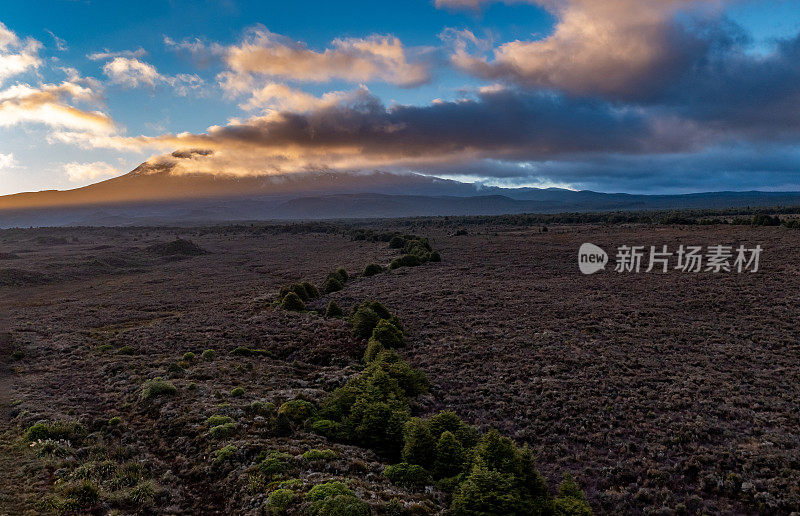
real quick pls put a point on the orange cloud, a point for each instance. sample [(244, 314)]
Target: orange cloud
[(611, 47), (49, 105), (357, 60)]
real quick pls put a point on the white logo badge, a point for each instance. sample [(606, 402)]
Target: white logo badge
[(591, 258)]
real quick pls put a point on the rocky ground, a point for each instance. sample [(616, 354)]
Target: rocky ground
[(661, 393)]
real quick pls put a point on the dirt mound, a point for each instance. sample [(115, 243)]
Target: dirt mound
[(178, 247)]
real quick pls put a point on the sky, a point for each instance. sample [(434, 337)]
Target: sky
[(639, 96)]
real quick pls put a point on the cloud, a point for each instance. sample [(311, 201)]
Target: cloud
[(78, 172), (107, 54), (50, 104), (7, 161), (376, 57), (17, 56), (615, 48), (198, 50), (359, 132), (133, 73), (61, 45)]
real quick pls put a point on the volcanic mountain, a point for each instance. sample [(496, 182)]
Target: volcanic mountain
[(156, 194)]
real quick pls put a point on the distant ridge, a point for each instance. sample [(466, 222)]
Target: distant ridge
[(152, 194)]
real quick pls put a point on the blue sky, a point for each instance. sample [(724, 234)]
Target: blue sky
[(669, 96)]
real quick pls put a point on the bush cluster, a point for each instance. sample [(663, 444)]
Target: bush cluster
[(335, 498), (335, 281), (372, 269), (372, 408), (305, 291), (157, 387), (416, 251)]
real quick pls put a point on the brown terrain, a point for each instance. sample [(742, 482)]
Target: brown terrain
[(660, 393)]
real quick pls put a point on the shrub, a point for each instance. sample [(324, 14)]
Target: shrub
[(157, 387), (364, 321), (282, 426), (449, 456), (570, 500), (261, 408), (388, 334), (142, 493), (222, 431), (56, 430), (316, 455), (81, 495), (209, 355), (418, 443), (342, 274), (407, 475), (274, 463), (217, 420), (237, 392), (407, 260), (335, 498), (372, 269), (333, 310), (297, 410), (125, 350), (502, 478), (374, 347), (225, 454), (188, 356), (293, 302), (448, 421), (332, 284), (326, 428), (311, 291), (435, 257), (397, 242), (280, 500)]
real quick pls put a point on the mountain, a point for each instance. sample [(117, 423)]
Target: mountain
[(153, 194)]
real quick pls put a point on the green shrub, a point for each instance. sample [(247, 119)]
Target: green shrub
[(209, 355), (435, 257), (570, 500), (237, 392), (503, 478), (407, 475), (226, 453), (17, 355), (374, 347), (141, 493), (217, 420), (55, 430), (279, 501), (376, 307), (418, 443), (407, 260), (372, 269), (188, 356), (114, 421), (297, 410), (450, 456), (261, 408), (335, 499), (316, 455), (326, 428), (157, 387), (397, 242), (126, 350), (332, 284), (311, 291), (293, 302), (81, 495), (447, 421), (364, 322), (274, 463), (333, 310), (222, 431), (342, 274), (388, 334)]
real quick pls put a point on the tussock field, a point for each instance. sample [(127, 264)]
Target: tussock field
[(670, 393)]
